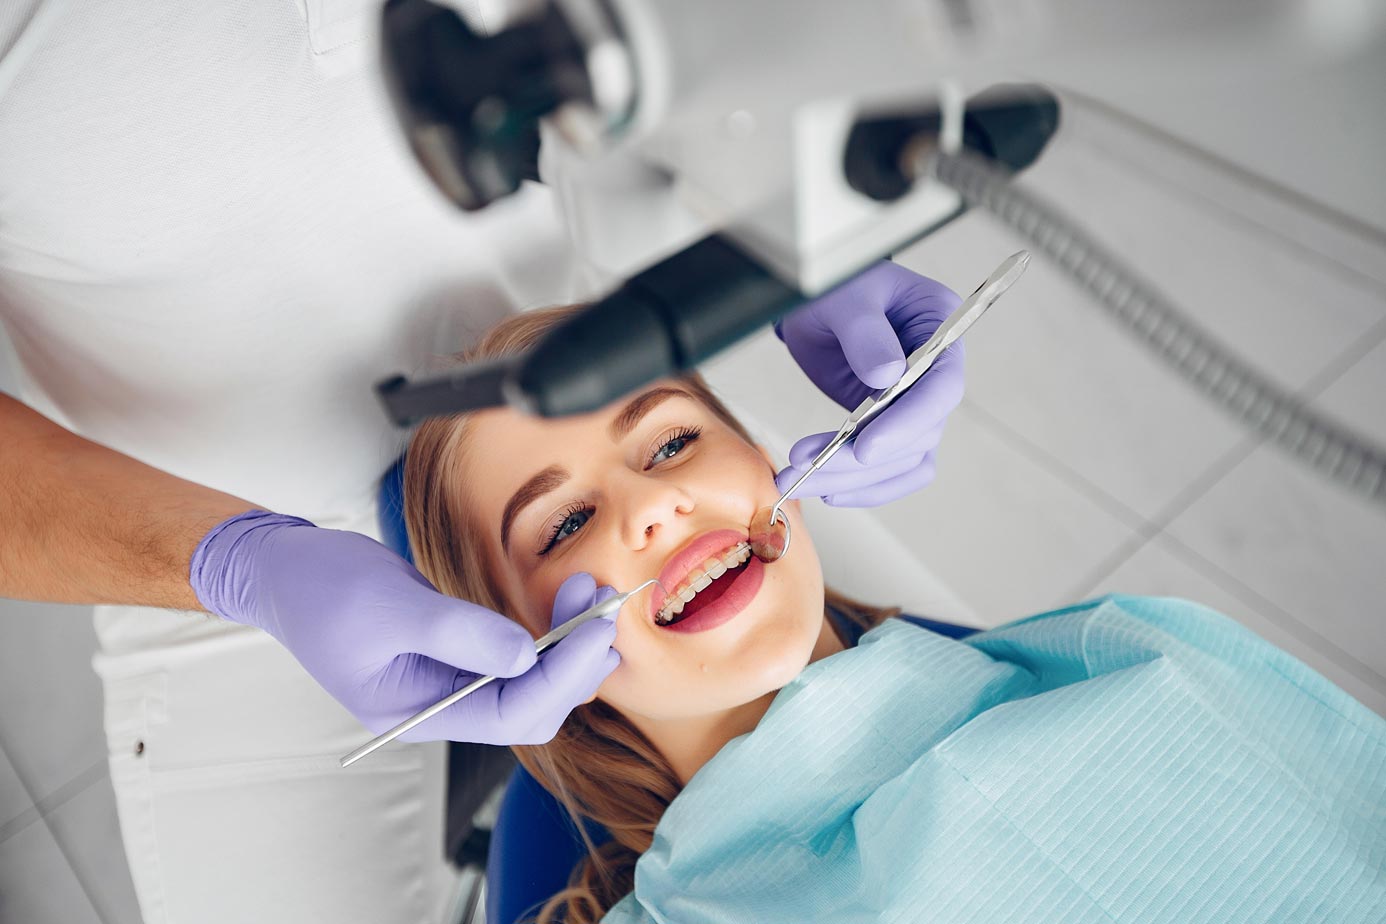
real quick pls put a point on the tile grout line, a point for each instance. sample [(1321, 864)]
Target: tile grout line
[(1158, 525), (1353, 354), (51, 802), (1241, 590), (1326, 213), (1325, 261), (39, 810), (1054, 466), (77, 874)]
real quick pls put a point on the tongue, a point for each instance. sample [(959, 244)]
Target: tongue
[(710, 594)]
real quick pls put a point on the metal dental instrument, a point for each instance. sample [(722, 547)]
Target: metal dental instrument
[(768, 542), (608, 607)]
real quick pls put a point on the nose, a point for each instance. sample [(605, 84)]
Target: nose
[(650, 506)]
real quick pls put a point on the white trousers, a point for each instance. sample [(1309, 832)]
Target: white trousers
[(232, 807)]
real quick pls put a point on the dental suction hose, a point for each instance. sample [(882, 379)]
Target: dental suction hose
[(1265, 407)]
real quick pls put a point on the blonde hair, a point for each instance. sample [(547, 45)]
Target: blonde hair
[(598, 766)]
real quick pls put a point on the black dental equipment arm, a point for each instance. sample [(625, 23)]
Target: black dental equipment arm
[(660, 322), (470, 106)]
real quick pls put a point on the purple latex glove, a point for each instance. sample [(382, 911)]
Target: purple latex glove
[(854, 340), (378, 636)]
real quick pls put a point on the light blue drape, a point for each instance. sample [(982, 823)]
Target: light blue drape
[(1129, 759)]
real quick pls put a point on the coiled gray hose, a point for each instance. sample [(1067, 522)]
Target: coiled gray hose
[(1248, 395)]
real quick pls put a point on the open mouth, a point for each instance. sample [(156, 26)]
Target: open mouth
[(704, 585)]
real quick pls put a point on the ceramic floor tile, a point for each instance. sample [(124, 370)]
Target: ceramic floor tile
[(14, 798), (1308, 114), (50, 699), (1358, 396), (1049, 365), (1163, 567), (1307, 546), (1247, 286), (88, 831), (1007, 534), (37, 886), (866, 561), (1183, 170), (759, 381)]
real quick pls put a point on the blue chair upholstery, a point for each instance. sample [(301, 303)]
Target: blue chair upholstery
[(391, 511)]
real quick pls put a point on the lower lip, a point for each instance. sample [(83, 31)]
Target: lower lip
[(742, 591)]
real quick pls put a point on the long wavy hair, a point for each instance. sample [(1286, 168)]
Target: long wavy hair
[(598, 766)]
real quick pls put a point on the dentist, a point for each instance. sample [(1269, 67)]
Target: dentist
[(212, 242)]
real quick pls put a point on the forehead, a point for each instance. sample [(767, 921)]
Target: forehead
[(490, 428), (504, 447)]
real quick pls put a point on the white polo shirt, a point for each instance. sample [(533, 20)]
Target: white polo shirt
[(213, 240)]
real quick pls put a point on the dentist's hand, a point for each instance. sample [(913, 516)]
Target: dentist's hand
[(854, 340), (378, 636)]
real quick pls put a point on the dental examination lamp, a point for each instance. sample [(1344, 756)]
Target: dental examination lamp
[(726, 160)]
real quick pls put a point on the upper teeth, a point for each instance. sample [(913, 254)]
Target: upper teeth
[(701, 579)]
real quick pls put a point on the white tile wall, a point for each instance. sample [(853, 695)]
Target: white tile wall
[(1358, 397), (1006, 532), (1313, 549), (1261, 291), (86, 829), (45, 671), (37, 884), (15, 801)]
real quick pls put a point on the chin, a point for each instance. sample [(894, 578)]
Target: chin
[(775, 672)]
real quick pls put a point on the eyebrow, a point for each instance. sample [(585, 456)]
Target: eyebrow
[(554, 476), (632, 413), (533, 489)]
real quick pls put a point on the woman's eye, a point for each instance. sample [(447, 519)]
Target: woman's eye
[(671, 448), (570, 524), (675, 444)]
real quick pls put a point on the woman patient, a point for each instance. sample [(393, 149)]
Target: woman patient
[(505, 510)]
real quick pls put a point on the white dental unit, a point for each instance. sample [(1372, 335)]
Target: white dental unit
[(730, 160)]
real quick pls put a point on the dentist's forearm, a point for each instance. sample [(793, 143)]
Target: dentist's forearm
[(81, 523)]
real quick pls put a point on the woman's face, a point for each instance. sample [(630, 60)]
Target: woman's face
[(650, 487)]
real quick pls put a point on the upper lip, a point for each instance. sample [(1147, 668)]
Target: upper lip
[(690, 558)]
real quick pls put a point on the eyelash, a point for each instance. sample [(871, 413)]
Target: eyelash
[(686, 434)]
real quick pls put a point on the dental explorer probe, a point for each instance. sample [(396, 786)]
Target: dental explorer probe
[(769, 533), (608, 607)]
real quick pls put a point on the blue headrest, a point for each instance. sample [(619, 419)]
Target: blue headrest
[(391, 511)]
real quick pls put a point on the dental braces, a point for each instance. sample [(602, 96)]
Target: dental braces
[(712, 569)]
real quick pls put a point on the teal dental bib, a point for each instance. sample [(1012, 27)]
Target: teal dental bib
[(1129, 759)]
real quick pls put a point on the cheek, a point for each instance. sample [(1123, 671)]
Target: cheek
[(535, 598), (668, 676)]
